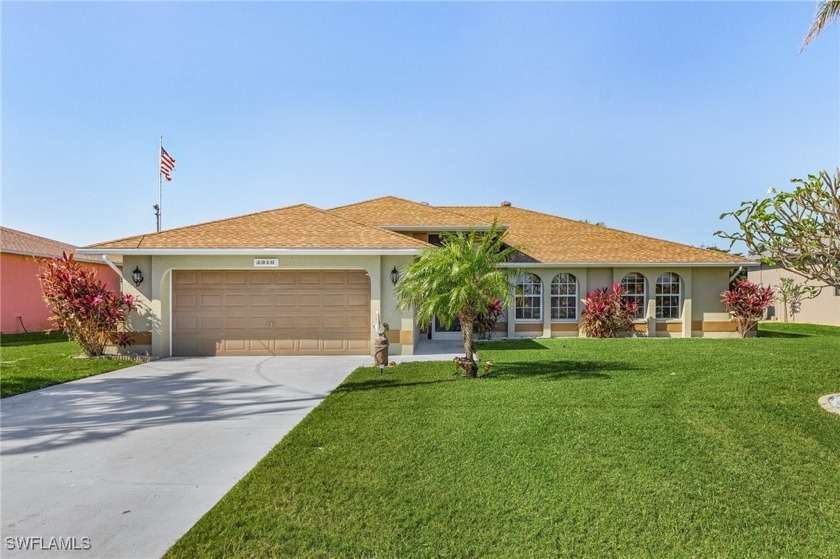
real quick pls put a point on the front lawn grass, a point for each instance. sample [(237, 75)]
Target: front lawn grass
[(32, 361), (575, 448)]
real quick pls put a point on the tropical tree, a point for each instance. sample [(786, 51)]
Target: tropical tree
[(798, 231), (828, 12), (461, 279)]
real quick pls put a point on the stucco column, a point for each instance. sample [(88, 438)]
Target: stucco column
[(511, 320), (373, 271), (650, 314), (686, 306), (546, 286)]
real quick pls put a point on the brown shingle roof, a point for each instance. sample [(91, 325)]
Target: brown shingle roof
[(13, 241), (547, 238), (295, 227), (398, 212)]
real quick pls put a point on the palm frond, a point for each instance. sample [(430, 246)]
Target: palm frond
[(828, 11)]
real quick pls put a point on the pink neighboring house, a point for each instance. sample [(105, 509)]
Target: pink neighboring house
[(21, 306)]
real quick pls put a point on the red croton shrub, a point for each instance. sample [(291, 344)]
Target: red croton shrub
[(746, 302), (485, 325), (89, 313), (606, 312)]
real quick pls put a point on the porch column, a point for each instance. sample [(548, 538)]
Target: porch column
[(686, 306), (511, 320), (546, 303)]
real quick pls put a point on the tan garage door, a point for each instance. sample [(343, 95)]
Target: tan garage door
[(271, 312)]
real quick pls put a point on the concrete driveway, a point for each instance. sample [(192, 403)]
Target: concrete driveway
[(122, 464)]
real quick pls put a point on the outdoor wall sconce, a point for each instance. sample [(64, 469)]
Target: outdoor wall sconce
[(395, 275), (137, 276)]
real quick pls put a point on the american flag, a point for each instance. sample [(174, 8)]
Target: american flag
[(167, 163)]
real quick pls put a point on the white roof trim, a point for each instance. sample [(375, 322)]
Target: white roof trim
[(627, 264), (251, 251)]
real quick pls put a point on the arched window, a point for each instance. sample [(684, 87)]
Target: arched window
[(636, 287), (564, 297), (528, 297), (668, 295)]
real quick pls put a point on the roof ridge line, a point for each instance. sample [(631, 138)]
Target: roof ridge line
[(420, 204), (592, 225), (374, 227)]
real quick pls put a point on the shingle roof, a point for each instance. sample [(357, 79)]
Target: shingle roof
[(398, 212), (13, 241), (295, 227), (545, 238), (548, 238)]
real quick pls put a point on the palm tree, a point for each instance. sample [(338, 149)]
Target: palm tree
[(828, 11), (460, 279)]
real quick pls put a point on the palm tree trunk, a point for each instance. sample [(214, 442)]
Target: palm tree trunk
[(470, 367)]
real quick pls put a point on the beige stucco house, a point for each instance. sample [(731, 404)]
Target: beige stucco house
[(302, 280), (824, 308)]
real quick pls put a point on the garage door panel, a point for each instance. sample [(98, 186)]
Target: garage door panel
[(239, 312), (334, 345), (334, 278), (334, 300), (235, 300), (309, 300), (260, 279), (236, 278), (309, 344), (236, 322), (185, 300), (260, 300), (213, 323), (284, 300), (310, 278), (358, 300), (186, 278), (309, 322), (186, 322), (210, 300), (259, 345), (210, 278)]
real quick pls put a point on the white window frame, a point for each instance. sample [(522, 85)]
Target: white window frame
[(644, 295), (555, 298), (670, 276), (533, 280)]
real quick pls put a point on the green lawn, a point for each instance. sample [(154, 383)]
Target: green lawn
[(33, 361), (577, 448)]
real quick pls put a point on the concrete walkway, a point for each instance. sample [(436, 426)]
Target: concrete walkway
[(123, 464)]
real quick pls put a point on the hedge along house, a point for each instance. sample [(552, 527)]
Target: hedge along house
[(301, 280)]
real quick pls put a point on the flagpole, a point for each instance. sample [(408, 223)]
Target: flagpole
[(160, 184)]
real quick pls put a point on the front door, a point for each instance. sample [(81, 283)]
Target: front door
[(441, 332)]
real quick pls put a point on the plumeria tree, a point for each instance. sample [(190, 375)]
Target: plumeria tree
[(797, 230), (746, 303), (82, 305), (607, 312), (461, 279)]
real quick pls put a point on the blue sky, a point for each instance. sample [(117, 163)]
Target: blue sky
[(653, 117)]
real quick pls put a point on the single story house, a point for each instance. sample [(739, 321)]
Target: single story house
[(22, 306), (303, 280), (824, 308)]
